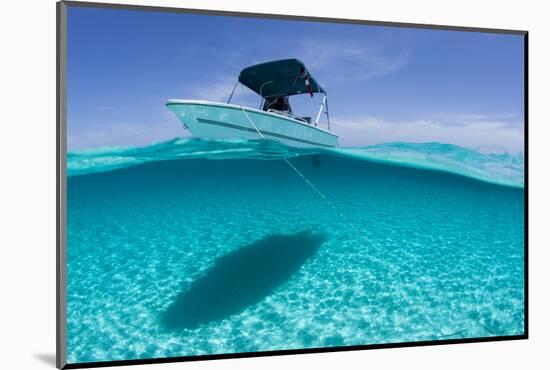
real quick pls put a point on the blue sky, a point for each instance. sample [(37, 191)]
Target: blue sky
[(384, 83)]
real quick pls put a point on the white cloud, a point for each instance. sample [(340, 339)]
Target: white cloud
[(485, 135), (354, 60), (464, 117), (219, 89), (125, 134)]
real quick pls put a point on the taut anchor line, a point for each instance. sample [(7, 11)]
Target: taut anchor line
[(385, 263)]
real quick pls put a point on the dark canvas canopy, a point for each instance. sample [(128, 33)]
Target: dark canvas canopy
[(279, 78)]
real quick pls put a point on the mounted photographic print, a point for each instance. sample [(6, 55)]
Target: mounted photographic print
[(234, 184)]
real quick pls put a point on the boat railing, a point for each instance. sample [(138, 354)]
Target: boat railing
[(324, 105)]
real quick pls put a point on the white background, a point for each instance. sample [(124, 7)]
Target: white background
[(27, 193)]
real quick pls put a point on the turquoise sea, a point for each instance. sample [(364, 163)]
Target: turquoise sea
[(193, 247)]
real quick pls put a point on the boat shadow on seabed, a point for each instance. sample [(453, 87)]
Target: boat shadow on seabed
[(240, 279)]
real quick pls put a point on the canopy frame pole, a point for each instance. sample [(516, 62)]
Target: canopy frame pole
[(326, 111), (232, 92), (261, 87), (321, 109)]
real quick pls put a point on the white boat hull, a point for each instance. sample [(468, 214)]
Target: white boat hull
[(228, 121)]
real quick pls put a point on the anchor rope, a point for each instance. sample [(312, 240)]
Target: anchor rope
[(359, 232)]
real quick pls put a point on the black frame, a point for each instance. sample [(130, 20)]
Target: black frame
[(61, 151)]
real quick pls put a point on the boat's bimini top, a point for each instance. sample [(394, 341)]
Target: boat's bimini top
[(279, 78)]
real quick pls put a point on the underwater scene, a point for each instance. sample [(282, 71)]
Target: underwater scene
[(197, 247)]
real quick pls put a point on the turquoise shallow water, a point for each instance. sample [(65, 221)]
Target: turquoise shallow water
[(194, 247)]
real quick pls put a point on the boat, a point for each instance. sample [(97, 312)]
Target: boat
[(275, 82)]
